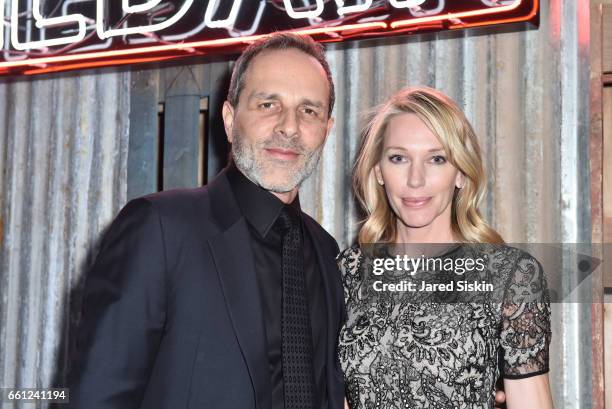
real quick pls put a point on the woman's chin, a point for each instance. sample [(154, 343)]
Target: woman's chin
[(416, 222)]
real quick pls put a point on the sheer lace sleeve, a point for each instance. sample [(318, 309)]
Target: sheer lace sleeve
[(348, 263), (525, 331)]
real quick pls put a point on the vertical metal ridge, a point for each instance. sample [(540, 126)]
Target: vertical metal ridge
[(63, 160)]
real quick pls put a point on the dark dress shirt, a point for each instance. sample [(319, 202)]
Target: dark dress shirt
[(261, 210)]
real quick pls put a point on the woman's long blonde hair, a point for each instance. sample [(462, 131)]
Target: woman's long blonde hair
[(444, 118)]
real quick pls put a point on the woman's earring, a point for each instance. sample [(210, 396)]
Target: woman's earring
[(381, 182)]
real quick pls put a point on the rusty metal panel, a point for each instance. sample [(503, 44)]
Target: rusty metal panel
[(607, 37)]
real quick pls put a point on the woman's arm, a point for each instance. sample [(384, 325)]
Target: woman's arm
[(532, 393), (525, 336), (346, 406)]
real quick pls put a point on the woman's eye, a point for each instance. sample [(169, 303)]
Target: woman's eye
[(396, 158), (438, 159)]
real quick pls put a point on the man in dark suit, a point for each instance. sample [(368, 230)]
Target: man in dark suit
[(226, 296)]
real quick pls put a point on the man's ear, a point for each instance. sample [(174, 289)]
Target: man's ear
[(228, 120), (329, 126)]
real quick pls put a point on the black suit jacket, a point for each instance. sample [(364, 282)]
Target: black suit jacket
[(171, 312)]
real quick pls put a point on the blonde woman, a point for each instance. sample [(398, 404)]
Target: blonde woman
[(419, 178)]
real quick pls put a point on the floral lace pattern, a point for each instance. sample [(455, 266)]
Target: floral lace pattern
[(400, 354)]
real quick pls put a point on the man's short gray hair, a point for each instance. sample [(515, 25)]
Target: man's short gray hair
[(281, 41)]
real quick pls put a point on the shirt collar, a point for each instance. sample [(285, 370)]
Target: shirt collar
[(260, 207)]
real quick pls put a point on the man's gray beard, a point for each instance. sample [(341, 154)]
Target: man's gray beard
[(246, 161)]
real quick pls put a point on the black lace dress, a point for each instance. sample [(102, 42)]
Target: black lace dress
[(416, 353)]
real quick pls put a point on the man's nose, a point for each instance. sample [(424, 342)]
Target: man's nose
[(287, 125)]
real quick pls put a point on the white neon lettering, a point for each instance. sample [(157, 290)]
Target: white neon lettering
[(304, 14), (74, 27), (42, 23), (103, 34), (405, 4), (497, 3), (342, 9), (91, 26), (254, 26), (228, 22), (421, 12), (139, 8), (202, 25)]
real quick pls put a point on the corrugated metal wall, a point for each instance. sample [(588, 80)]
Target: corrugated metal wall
[(526, 93), (64, 145), (63, 155)]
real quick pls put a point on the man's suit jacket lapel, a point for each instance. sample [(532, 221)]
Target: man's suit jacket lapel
[(232, 253)]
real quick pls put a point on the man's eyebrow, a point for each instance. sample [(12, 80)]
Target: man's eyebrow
[(264, 95), (304, 101), (309, 102)]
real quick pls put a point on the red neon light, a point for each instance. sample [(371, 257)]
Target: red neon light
[(454, 16), (181, 46), (95, 64), (528, 17)]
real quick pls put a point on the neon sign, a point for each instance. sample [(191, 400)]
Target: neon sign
[(69, 34)]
